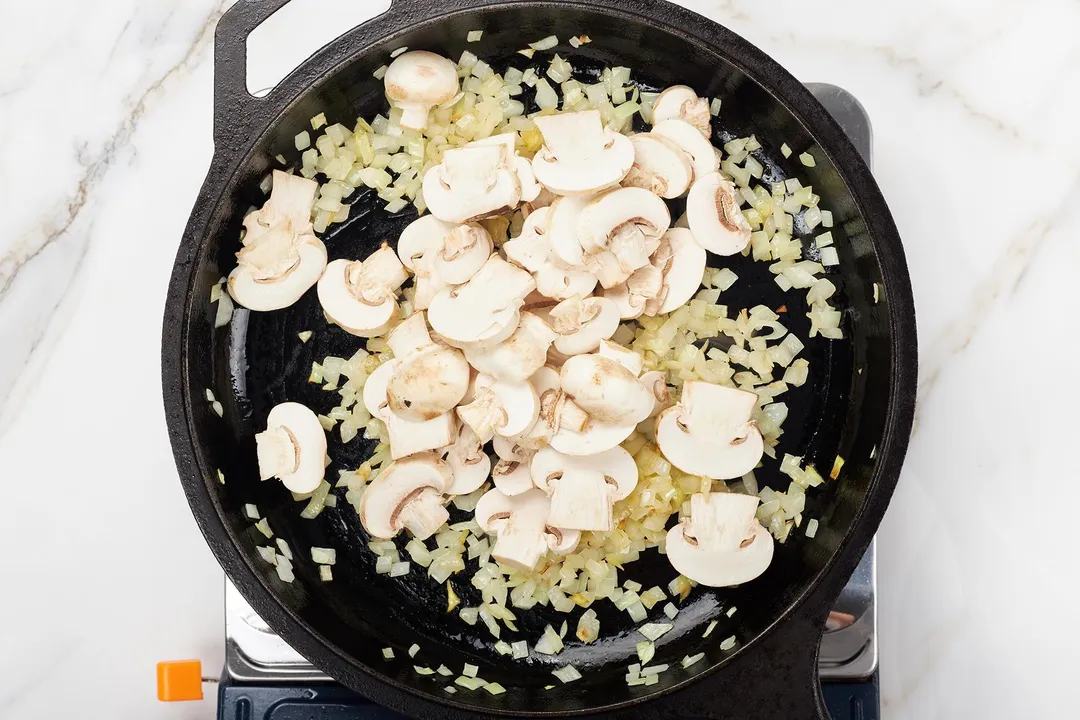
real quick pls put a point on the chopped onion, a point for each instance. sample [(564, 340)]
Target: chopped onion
[(474, 36), (495, 688), (546, 97), (550, 643), (326, 574), (399, 568), (728, 644), (546, 44), (284, 570), (653, 631), (469, 683), (388, 653), (268, 554), (283, 548), (251, 511), (588, 628), (714, 107), (413, 649), (422, 670), (520, 649), (567, 674), (450, 689), (654, 670), (470, 670), (444, 671), (808, 160), (829, 257), (708, 630), (645, 651), (731, 611), (469, 614), (383, 564), (811, 528), (264, 527), (785, 150), (671, 611)]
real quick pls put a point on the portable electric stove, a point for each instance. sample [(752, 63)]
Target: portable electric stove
[(265, 679)]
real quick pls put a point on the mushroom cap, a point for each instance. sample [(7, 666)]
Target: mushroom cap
[(629, 305), (656, 381), (616, 464), (471, 183), (506, 408), (606, 390), (627, 221), (684, 261), (293, 447), (520, 524), (462, 253), (660, 166), (507, 449), (519, 356), (715, 219), (512, 477), (596, 437), (562, 229), (422, 236), (545, 382), (375, 387), (682, 103), (626, 357), (418, 80), (298, 267), (428, 383), (532, 250), (483, 308), (407, 436), (722, 544), (711, 431), (342, 305), (693, 143), (580, 156), (580, 325), (468, 462), (399, 485)]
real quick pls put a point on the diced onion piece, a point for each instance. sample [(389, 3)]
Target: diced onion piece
[(503, 648), (550, 643), (324, 556), (444, 671), (388, 653), (546, 44), (474, 36), (692, 660), (469, 615), (654, 670), (653, 631), (495, 688), (326, 574), (304, 336), (714, 107), (302, 140), (728, 644), (413, 649), (520, 649), (731, 611), (399, 568), (251, 511), (423, 670), (807, 159), (785, 150), (567, 674), (268, 554), (318, 121), (829, 257), (283, 548), (811, 528), (709, 629), (383, 564), (671, 611), (469, 683), (470, 670), (264, 527), (645, 651)]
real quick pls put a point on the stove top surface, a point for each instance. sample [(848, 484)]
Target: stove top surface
[(255, 657)]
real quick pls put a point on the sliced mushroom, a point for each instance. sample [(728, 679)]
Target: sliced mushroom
[(619, 230), (463, 251), (631, 298), (606, 390), (682, 261), (711, 432), (512, 477), (292, 448), (545, 382), (521, 529), (417, 81), (507, 449), (530, 188), (519, 356), (472, 183), (626, 357), (562, 229), (281, 258), (532, 250), (484, 307), (420, 238), (407, 436), (429, 379), (428, 283), (682, 103), (361, 297), (656, 381), (408, 494), (595, 437), (722, 543), (580, 325), (468, 462), (660, 166), (715, 219), (506, 408), (584, 490), (689, 138), (580, 156)]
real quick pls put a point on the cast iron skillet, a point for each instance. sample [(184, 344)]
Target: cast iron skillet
[(859, 403)]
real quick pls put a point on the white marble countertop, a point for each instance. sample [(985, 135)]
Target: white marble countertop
[(109, 104)]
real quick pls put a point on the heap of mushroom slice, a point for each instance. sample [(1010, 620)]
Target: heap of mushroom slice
[(507, 374)]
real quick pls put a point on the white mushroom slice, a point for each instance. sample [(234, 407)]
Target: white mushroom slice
[(421, 237), (580, 156), (722, 544), (521, 529), (506, 408), (545, 382), (463, 252), (596, 437), (519, 356), (407, 437), (407, 495), (715, 219), (606, 390), (484, 307), (418, 81), (530, 188), (543, 199), (693, 143), (660, 166), (507, 449), (292, 448), (532, 250), (562, 229), (711, 431), (361, 296), (290, 201), (471, 183), (656, 381), (428, 381), (682, 103), (581, 324), (629, 222), (682, 262), (626, 357), (468, 462), (428, 283), (632, 297), (630, 307), (584, 490), (512, 477)]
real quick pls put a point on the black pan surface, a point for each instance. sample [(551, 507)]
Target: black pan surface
[(858, 402)]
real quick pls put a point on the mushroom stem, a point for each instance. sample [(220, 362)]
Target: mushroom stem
[(277, 452), (423, 514), (521, 542), (582, 501)]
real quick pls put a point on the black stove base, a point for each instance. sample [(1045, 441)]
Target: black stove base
[(328, 701)]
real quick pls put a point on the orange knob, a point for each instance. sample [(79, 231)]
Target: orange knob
[(179, 680)]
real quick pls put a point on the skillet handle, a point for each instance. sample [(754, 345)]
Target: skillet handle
[(777, 680), (235, 109)]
